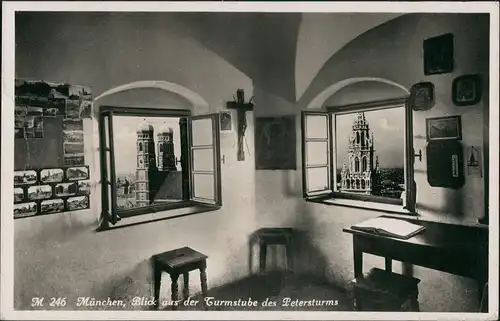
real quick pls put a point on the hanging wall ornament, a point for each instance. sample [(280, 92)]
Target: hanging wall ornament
[(422, 96)]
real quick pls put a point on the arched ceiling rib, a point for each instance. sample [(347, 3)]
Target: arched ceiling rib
[(321, 35)]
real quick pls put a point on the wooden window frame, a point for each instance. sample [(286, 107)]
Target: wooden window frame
[(110, 213), (358, 199)]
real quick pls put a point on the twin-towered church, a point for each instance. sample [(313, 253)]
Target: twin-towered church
[(151, 172)]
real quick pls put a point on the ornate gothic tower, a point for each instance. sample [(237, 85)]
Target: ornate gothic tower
[(166, 155), (146, 165), (360, 175)]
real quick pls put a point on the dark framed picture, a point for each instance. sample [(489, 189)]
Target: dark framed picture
[(28, 177), (39, 192), (444, 128), (439, 54), (275, 143), (51, 175), (226, 122), (84, 187), (466, 90), (422, 96), (52, 206), (77, 203), (18, 195), (66, 189), (25, 209), (73, 160), (77, 173)]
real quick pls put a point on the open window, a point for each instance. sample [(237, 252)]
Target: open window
[(205, 155), (361, 153), (317, 154), (154, 160)]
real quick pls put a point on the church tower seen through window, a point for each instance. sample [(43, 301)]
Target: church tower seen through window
[(361, 172)]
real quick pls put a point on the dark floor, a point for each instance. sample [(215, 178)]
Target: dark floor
[(302, 292)]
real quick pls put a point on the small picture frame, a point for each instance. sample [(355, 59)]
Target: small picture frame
[(422, 96), (51, 175), (439, 54), (444, 128), (466, 90), (226, 121), (77, 173)]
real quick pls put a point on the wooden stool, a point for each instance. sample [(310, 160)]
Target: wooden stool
[(175, 263), (272, 236), (380, 290)]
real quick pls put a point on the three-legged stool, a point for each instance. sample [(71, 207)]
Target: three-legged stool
[(175, 263)]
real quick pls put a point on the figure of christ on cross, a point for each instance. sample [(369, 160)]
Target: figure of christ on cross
[(241, 108)]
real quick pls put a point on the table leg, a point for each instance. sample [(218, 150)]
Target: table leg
[(358, 258), (185, 294), (250, 255), (157, 283), (388, 265), (175, 289), (204, 287)]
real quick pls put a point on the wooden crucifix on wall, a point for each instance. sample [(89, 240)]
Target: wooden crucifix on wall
[(241, 107)]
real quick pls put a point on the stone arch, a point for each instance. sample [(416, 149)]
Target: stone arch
[(199, 104), (320, 99), (356, 164)]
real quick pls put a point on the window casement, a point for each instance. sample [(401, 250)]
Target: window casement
[(360, 153), (190, 179)]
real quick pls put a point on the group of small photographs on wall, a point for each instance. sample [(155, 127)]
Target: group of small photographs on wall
[(73, 146), (51, 190), (56, 99), (28, 122)]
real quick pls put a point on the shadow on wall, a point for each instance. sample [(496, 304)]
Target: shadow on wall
[(309, 258)]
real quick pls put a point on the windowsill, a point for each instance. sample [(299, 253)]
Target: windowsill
[(193, 208), (154, 208), (366, 205)]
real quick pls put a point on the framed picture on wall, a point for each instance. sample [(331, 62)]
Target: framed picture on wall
[(439, 54), (422, 96), (466, 90), (444, 128), (226, 122)]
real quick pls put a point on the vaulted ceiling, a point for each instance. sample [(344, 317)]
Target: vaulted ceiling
[(281, 52)]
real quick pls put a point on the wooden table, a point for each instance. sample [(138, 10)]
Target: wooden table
[(177, 262), (455, 249)]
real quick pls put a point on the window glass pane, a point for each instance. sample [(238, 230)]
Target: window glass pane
[(146, 150), (108, 164), (317, 153), (203, 186), (316, 126), (108, 186), (106, 131), (203, 159), (317, 179), (202, 131), (370, 152)]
